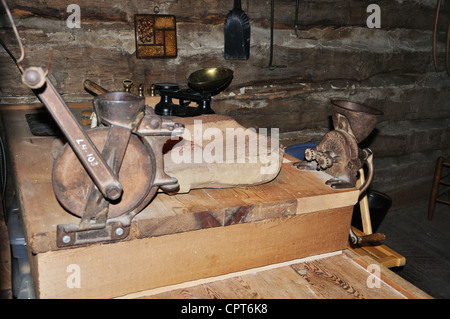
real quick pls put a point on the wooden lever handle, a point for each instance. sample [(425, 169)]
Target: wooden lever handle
[(94, 87), (372, 238)]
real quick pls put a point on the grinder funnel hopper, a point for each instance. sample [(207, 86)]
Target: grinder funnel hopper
[(361, 118), (119, 108)]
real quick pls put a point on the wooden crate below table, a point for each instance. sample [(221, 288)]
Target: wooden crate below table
[(113, 270)]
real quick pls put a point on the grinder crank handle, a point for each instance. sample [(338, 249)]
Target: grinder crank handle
[(368, 158), (366, 239), (101, 174)]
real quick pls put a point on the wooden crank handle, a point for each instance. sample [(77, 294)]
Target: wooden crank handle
[(94, 87), (369, 161), (366, 239), (372, 238)]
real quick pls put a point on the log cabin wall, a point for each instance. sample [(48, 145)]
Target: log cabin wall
[(335, 56)]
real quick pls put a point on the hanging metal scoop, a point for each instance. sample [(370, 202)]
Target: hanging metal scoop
[(237, 34)]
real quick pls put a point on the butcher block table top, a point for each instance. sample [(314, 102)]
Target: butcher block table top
[(283, 239)]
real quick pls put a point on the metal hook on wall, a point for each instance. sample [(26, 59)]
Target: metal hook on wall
[(272, 14), (297, 5), (42, 74), (16, 33), (447, 42)]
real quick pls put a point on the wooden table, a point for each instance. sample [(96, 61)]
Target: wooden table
[(176, 239)]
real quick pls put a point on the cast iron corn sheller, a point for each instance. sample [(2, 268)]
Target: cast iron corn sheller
[(103, 168), (102, 175), (36, 79)]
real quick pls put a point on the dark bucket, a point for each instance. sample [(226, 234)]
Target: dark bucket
[(298, 150), (379, 205)]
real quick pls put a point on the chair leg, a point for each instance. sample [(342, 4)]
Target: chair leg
[(434, 189)]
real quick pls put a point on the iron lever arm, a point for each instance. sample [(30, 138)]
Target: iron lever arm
[(94, 164), (36, 79), (96, 209)]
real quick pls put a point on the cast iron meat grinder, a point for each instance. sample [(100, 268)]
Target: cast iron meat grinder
[(339, 155)]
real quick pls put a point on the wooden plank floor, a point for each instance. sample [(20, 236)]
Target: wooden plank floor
[(338, 275), (424, 243)]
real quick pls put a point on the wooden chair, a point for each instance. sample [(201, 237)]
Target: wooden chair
[(439, 180)]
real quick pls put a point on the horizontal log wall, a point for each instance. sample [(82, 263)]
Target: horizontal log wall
[(334, 56)]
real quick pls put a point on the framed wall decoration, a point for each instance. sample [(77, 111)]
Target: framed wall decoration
[(156, 36)]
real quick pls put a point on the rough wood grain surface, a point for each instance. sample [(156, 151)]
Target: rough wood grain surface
[(130, 266), (335, 276)]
